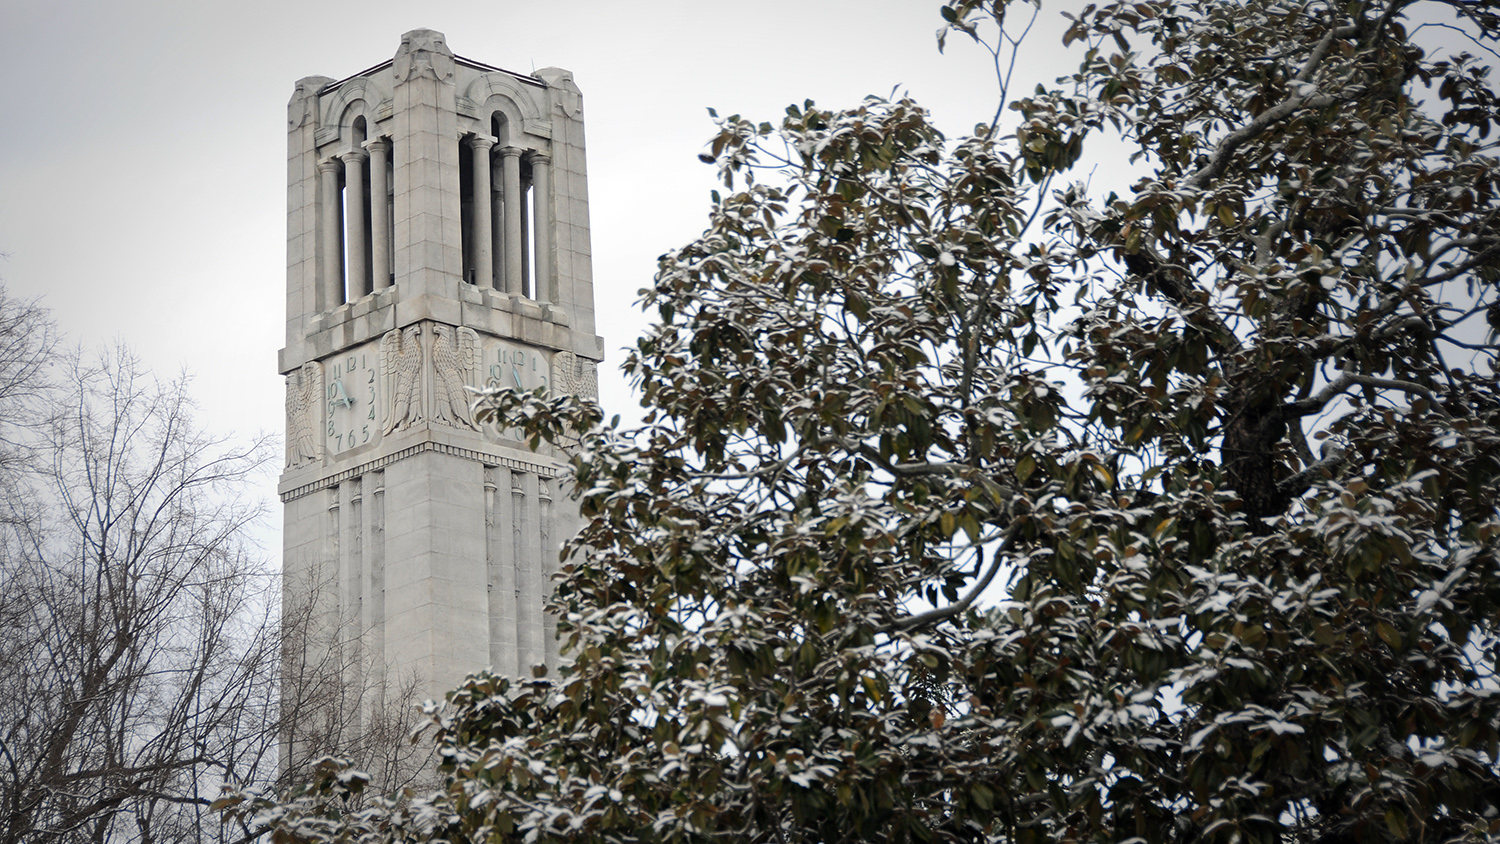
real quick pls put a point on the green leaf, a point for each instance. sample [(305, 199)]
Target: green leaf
[(1389, 635), (1395, 821), (982, 796), (1024, 467)]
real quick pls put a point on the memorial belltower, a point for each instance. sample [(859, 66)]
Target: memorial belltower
[(437, 239)]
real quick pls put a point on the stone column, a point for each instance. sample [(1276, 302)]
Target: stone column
[(484, 256), (380, 214), (331, 285), (510, 188), (541, 200), (497, 220), (354, 223)]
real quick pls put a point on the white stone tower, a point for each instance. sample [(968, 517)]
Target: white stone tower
[(437, 238)]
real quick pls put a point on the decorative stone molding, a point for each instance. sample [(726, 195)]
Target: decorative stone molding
[(565, 92), (361, 96), (522, 105), (423, 53), (541, 470), (304, 103)]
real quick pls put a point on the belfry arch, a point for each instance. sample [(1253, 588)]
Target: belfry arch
[(507, 200)]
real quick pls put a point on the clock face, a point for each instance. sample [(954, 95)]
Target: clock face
[(507, 363), (514, 365), (352, 395)]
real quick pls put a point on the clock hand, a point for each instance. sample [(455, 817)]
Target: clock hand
[(340, 395)]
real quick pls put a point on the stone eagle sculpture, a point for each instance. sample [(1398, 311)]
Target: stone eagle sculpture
[(455, 358), (304, 400), (401, 356)]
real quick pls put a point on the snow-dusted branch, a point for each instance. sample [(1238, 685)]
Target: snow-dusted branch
[(1337, 386), (937, 614), (1296, 484), (1218, 162)]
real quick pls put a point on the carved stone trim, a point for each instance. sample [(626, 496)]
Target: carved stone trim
[(355, 96), (423, 52), (484, 457), (304, 103)]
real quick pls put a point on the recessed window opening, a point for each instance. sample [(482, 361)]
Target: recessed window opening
[(527, 231), (343, 212), (353, 210), (528, 235), (362, 286), (466, 207), (500, 131)]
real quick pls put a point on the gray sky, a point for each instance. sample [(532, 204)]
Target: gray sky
[(142, 148)]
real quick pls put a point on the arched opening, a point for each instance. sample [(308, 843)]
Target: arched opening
[(500, 129), (466, 210), (528, 232), (356, 195)]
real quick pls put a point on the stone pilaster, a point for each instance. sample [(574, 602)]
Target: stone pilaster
[(424, 136), (302, 206), (572, 252)]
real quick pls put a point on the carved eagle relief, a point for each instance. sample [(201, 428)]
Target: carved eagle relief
[(455, 364), (423, 53), (574, 376), (401, 359), (304, 417)]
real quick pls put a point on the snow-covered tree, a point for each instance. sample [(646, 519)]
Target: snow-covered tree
[(973, 506)]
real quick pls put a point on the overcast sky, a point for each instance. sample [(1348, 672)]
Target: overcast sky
[(143, 147)]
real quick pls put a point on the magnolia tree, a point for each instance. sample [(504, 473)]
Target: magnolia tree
[(971, 505)]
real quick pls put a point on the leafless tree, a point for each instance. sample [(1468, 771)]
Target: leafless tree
[(144, 647), (139, 664), (27, 339), (339, 699)]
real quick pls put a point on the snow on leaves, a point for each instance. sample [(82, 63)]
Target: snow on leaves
[(1225, 447)]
